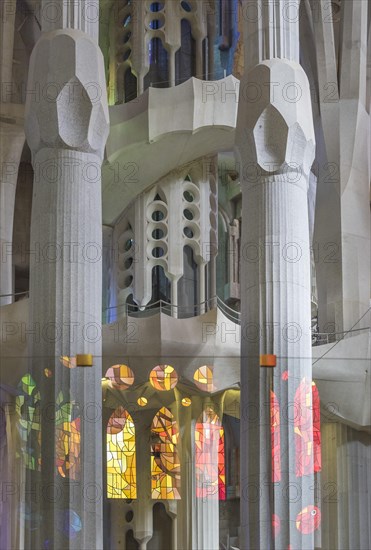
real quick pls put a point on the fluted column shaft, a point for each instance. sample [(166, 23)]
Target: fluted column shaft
[(67, 131), (275, 141)]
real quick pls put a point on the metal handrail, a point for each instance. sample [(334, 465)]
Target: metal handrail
[(15, 294), (322, 338)]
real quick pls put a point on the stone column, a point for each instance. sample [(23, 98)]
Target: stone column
[(275, 141), (66, 128)]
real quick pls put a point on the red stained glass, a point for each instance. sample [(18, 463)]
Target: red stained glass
[(275, 438), (210, 462), (307, 429), (308, 520), (317, 458)]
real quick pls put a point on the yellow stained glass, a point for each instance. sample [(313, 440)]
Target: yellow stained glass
[(163, 378), (165, 464), (121, 456), (142, 401), (203, 378), (186, 402)]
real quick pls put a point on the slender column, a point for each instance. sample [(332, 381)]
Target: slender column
[(275, 140), (67, 134), (7, 19)]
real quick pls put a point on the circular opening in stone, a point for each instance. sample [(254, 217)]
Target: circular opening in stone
[(129, 516), (127, 20), (128, 245), (186, 6), (126, 54), (188, 232), (128, 263), (157, 234), (157, 215), (188, 214), (127, 37), (156, 6), (188, 196), (158, 252)]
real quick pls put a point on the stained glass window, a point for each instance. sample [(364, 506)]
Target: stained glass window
[(203, 378), (29, 422), (121, 456), (67, 437), (306, 424), (209, 456), (275, 438), (120, 377), (165, 464), (163, 378)]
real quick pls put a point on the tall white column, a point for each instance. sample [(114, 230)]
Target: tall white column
[(66, 128), (275, 140)]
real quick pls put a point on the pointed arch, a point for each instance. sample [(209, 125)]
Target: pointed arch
[(28, 407), (121, 455), (209, 456), (165, 463), (67, 437)]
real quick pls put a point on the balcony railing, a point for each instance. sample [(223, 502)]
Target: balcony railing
[(179, 312), (321, 338)]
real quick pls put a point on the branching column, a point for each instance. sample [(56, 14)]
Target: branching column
[(275, 140), (67, 127)]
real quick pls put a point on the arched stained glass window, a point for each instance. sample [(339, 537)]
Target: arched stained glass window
[(29, 422), (275, 438), (121, 456), (307, 429), (209, 456), (67, 438), (165, 464)]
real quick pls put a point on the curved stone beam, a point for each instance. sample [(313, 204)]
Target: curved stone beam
[(176, 125)]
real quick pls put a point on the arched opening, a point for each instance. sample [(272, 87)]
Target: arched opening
[(188, 285), (130, 85), (185, 57), (162, 529), (158, 74), (121, 456)]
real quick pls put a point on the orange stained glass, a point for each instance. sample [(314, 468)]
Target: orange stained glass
[(69, 362), (121, 456), (67, 438), (307, 447), (209, 456), (28, 405), (275, 438), (203, 378), (165, 464), (163, 378), (121, 377)]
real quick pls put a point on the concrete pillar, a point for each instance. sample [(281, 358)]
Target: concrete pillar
[(66, 131), (275, 141)]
